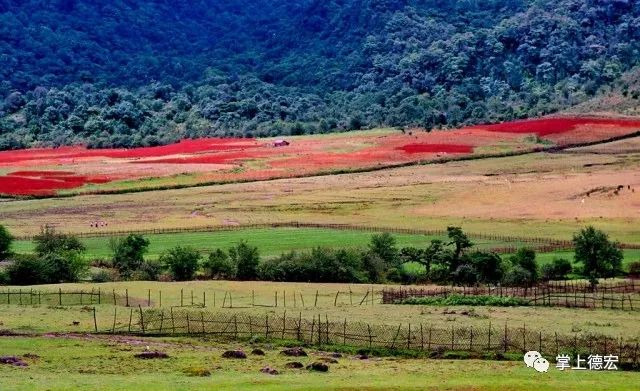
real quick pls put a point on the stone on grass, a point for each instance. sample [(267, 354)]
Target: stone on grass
[(318, 366), (148, 355), (234, 354), (329, 360), (257, 352), (336, 355), (13, 360), (294, 365), (294, 352), (269, 371)]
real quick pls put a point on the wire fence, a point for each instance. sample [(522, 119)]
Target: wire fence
[(321, 331), (551, 244), (618, 295)]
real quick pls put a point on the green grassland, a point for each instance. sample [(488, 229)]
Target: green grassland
[(108, 363)]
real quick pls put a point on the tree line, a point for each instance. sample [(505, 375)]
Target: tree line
[(59, 257)]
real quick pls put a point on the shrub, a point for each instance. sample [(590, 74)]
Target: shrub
[(246, 260), (128, 253), (526, 259), (517, 276), (49, 242), (28, 270), (465, 275), (4, 277), (182, 262), (149, 270), (5, 242), (453, 300), (634, 269), (105, 275), (599, 256), (558, 269), (219, 266), (64, 267)]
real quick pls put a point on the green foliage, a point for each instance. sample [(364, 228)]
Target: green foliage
[(219, 266), (600, 258), (153, 75), (48, 241), (488, 266), (246, 260), (128, 253), (558, 269), (182, 262), (517, 276), (149, 270), (5, 242), (64, 267), (28, 270), (454, 300), (526, 259), (384, 247), (634, 269)]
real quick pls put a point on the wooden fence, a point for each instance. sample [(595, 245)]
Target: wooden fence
[(621, 295), (321, 331)]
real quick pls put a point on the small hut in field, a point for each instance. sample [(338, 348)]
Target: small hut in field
[(281, 143)]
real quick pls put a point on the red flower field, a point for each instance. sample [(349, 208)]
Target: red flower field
[(46, 171)]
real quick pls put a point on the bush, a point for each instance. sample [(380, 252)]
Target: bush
[(182, 262), (219, 266), (51, 242), (149, 270), (453, 300), (634, 269), (128, 253), (558, 269), (526, 259), (465, 275), (517, 276), (64, 268), (246, 260), (105, 275), (5, 243), (28, 270), (4, 277)]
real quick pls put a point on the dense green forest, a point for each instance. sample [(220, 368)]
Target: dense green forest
[(126, 73)]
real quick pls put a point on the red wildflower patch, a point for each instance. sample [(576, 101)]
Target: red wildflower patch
[(547, 126), (436, 148)]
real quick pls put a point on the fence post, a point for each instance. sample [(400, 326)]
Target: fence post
[(173, 325), (266, 321), (126, 292), (344, 332), (160, 298), (524, 337), (335, 302), (60, 296), (188, 325), (130, 318), (141, 319), (276, 298), (284, 299), (114, 298), (115, 313), (370, 336), (99, 296), (301, 299), (235, 326), (95, 321), (471, 340), (284, 323), (505, 337), (489, 338), (409, 337), (421, 338), (299, 325), (192, 297), (202, 321), (149, 298), (181, 297), (453, 337), (161, 321), (316, 302), (253, 298), (313, 324)]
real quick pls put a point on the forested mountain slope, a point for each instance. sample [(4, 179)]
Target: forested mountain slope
[(125, 73)]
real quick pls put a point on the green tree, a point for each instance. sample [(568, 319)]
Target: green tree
[(182, 262), (599, 257), (461, 243), (48, 241), (28, 270), (558, 269), (5, 242), (384, 246), (489, 266), (526, 259), (219, 265), (246, 259), (128, 253)]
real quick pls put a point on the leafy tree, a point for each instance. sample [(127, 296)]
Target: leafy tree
[(461, 243), (28, 270), (488, 266), (246, 259), (63, 267), (48, 241), (384, 247), (526, 259), (219, 265), (5, 242), (182, 262), (517, 276), (465, 275), (558, 269), (128, 253), (599, 257)]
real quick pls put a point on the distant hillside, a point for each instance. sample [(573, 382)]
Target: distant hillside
[(122, 73), (619, 98)]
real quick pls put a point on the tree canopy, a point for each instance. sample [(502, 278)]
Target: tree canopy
[(121, 73)]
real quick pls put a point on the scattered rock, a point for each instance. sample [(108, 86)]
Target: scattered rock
[(318, 366), (75, 323), (257, 352), (270, 371), (13, 360), (234, 354), (336, 355), (294, 352), (362, 356), (151, 355), (294, 365), (329, 360)]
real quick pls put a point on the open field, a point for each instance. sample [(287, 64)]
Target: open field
[(101, 363), (78, 170), (542, 195)]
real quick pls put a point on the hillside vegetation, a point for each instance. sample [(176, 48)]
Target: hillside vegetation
[(121, 73)]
